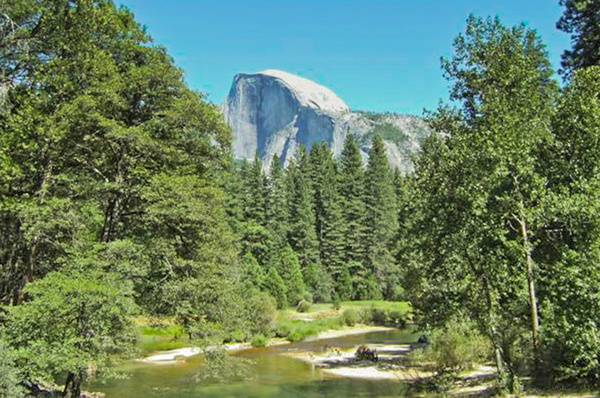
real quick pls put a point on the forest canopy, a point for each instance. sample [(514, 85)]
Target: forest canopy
[(119, 198)]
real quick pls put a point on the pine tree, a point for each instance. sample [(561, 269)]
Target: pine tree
[(277, 209), (257, 192), (329, 210), (303, 237), (288, 267), (353, 207), (381, 218), (581, 19), (275, 286)]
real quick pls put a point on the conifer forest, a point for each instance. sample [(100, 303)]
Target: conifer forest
[(121, 201)]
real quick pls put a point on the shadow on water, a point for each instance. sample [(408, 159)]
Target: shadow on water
[(275, 375)]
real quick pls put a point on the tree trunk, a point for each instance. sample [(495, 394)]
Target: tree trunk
[(35, 240), (531, 287), (73, 385)]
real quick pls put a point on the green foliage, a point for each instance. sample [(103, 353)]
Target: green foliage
[(74, 320), (9, 375), (479, 189), (288, 268), (570, 252), (336, 303), (253, 275), (457, 347), (352, 189), (350, 316), (259, 340), (580, 19), (303, 306), (302, 236), (380, 200), (261, 312), (296, 330), (276, 287), (382, 316)]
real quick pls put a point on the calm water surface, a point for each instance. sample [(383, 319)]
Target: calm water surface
[(275, 375)]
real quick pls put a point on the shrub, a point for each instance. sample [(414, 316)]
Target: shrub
[(397, 318), (364, 316), (258, 341), (9, 377), (283, 330), (456, 347), (262, 312), (336, 305), (379, 316), (350, 317), (303, 306)]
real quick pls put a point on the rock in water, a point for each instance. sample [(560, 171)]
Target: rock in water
[(274, 112)]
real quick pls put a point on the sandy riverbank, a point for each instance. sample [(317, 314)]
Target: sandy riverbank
[(345, 364), (171, 356)]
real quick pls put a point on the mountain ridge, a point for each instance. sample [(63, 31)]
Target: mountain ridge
[(275, 112)]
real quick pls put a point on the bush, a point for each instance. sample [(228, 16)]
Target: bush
[(453, 349), (258, 341), (283, 330), (397, 318), (303, 306), (379, 316), (336, 305), (9, 377), (262, 312), (364, 316), (350, 317)]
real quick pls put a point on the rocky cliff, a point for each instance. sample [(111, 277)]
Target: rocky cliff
[(274, 112)]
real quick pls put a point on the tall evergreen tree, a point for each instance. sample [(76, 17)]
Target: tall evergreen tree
[(352, 189), (277, 209), (288, 267), (581, 19), (329, 209), (303, 238), (381, 218), (257, 192)]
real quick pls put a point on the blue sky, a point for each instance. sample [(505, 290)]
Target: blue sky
[(380, 55)]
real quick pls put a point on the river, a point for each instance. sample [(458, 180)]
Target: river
[(276, 375)]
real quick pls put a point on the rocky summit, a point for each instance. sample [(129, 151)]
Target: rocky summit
[(275, 112)]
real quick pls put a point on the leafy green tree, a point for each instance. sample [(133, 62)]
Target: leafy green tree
[(9, 374), (480, 188), (580, 19), (75, 321), (568, 252), (381, 217), (352, 190)]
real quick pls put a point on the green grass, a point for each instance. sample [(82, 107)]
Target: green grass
[(160, 334), (386, 305), (293, 326), (296, 330)]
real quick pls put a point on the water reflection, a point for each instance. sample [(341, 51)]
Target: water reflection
[(277, 375)]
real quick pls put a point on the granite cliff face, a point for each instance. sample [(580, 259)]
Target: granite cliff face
[(274, 112)]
